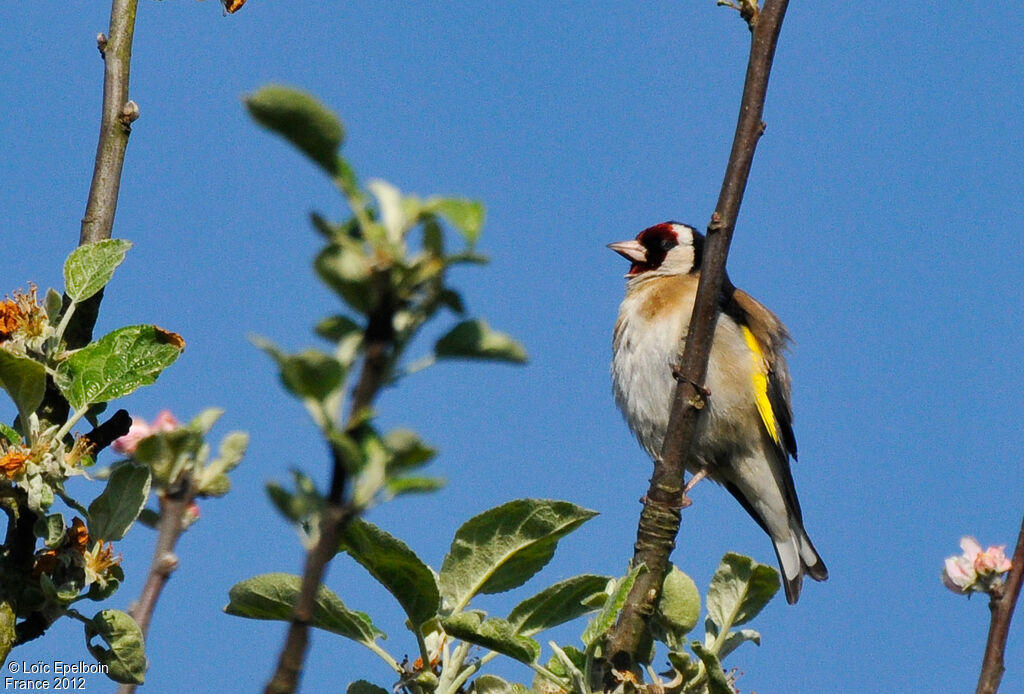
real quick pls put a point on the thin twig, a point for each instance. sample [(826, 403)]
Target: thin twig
[(173, 507), (1002, 607), (659, 520), (379, 347), (115, 125)]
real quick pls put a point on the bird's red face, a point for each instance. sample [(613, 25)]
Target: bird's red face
[(670, 247)]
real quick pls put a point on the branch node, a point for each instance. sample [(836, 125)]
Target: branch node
[(129, 113), (101, 42), (167, 563)]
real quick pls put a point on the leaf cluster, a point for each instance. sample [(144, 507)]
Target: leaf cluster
[(37, 457)]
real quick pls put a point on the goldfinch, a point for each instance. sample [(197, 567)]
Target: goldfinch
[(744, 434)]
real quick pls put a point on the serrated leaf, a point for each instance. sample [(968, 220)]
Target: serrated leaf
[(24, 380), (112, 513), (272, 596), (735, 639), (605, 618), (302, 120), (493, 633), (467, 216), (117, 364), (718, 683), (474, 339), (88, 268), (364, 687), (396, 567), (503, 547), (126, 656), (739, 590), (557, 604)]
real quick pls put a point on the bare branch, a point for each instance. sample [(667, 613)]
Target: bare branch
[(1002, 606), (659, 520), (115, 125), (173, 507)]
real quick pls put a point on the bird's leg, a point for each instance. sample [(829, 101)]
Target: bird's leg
[(697, 477), (702, 392)]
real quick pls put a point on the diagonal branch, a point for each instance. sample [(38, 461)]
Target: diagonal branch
[(174, 505), (1002, 606), (339, 512), (659, 520)]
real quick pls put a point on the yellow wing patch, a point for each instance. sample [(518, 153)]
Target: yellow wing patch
[(760, 382)]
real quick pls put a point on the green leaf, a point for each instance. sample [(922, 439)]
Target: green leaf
[(678, 607), (213, 479), (396, 567), (337, 328), (112, 513), (394, 216), (735, 639), (309, 374), (492, 684), (88, 269), (557, 604), (407, 450), (718, 683), (739, 590), (300, 118), (53, 304), (467, 216), (345, 268), (50, 529), (570, 658), (503, 547), (10, 434), (272, 596), (604, 619), (126, 657), (474, 339), (493, 633), (117, 364), (364, 687), (24, 380), (397, 486)]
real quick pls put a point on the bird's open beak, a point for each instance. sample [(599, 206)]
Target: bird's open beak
[(631, 250)]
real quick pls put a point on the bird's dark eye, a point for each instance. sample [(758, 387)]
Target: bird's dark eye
[(668, 244)]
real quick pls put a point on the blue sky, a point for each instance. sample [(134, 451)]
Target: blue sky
[(881, 222)]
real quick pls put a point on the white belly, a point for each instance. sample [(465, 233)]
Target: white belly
[(646, 352)]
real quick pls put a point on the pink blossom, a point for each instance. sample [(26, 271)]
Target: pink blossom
[(165, 421), (958, 574), (992, 561), (140, 429), (976, 569), (130, 441)]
